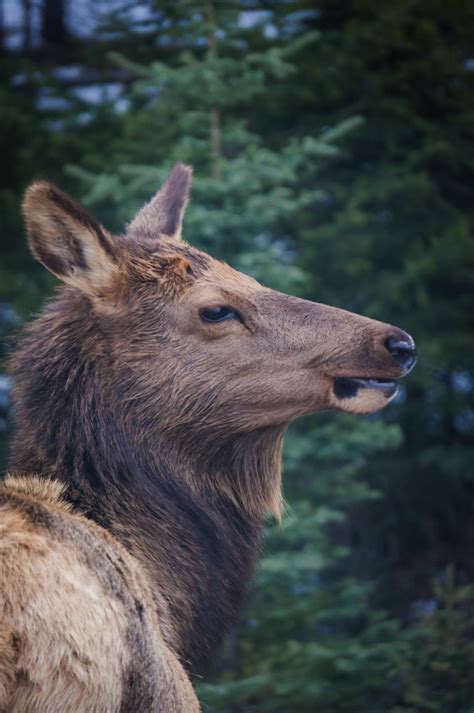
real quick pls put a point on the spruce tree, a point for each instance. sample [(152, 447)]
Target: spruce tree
[(332, 154), (307, 623)]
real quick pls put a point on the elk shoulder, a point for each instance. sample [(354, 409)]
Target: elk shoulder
[(78, 629)]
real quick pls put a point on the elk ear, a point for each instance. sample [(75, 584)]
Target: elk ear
[(164, 213), (66, 239)]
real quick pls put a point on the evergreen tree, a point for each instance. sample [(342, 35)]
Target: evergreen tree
[(291, 185), (310, 638), (396, 239)]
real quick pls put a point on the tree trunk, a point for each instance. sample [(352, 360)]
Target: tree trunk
[(26, 25), (54, 29), (2, 27), (214, 113)]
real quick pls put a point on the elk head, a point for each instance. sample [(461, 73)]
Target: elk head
[(193, 346)]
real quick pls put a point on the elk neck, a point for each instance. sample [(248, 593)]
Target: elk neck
[(197, 542)]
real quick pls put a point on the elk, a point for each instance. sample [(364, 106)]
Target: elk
[(151, 398)]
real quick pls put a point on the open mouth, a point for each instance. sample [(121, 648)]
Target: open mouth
[(347, 387)]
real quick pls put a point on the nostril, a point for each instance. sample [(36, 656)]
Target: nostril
[(401, 351)]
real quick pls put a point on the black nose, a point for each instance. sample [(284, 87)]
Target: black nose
[(403, 351)]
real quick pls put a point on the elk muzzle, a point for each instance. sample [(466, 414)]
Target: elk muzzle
[(365, 394)]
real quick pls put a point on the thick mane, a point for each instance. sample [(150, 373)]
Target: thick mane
[(193, 520)]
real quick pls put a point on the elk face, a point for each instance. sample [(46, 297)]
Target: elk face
[(198, 344), (277, 357)]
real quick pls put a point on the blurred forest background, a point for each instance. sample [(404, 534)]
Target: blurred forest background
[(333, 149)]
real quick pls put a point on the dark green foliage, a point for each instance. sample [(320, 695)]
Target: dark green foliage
[(435, 669), (333, 156)]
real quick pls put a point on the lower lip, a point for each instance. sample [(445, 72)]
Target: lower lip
[(345, 387)]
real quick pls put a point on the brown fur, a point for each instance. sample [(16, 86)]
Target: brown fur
[(156, 441)]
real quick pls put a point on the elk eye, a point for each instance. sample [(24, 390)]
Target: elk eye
[(219, 314)]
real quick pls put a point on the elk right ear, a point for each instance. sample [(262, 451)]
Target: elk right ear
[(66, 239), (164, 213)]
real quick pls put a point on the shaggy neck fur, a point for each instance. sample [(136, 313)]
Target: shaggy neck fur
[(192, 517)]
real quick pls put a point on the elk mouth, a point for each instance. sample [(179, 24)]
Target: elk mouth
[(347, 387)]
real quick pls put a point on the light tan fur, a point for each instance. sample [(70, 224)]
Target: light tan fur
[(64, 637)]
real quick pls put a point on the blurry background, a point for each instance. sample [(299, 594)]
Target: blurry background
[(333, 148)]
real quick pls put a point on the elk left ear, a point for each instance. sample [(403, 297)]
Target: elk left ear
[(67, 240), (164, 213)]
